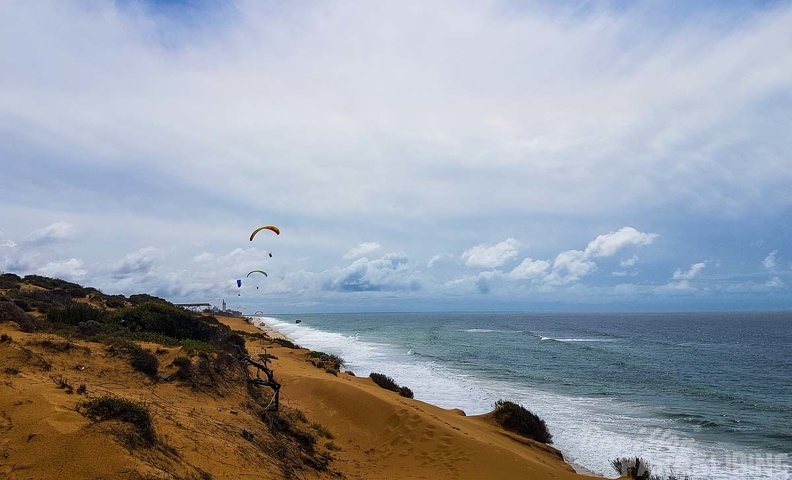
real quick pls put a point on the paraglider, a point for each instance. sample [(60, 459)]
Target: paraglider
[(239, 285), (257, 271), (272, 228), (265, 227)]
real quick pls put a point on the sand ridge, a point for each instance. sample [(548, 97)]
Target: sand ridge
[(371, 433)]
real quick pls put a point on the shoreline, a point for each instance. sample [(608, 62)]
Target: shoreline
[(275, 333)]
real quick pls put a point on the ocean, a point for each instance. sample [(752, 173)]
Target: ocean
[(703, 394)]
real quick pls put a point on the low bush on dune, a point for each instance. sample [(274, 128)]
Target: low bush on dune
[(10, 312), (74, 314), (405, 392), (120, 409), (139, 359), (170, 321), (388, 383), (636, 468), (518, 419), (194, 347), (9, 280), (144, 361), (326, 361), (74, 290), (212, 373), (286, 343), (63, 347)]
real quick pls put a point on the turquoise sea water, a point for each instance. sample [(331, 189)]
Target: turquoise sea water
[(707, 394)]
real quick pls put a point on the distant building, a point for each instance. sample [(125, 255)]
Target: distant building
[(224, 305)]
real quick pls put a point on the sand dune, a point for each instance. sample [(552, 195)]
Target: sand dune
[(365, 432)]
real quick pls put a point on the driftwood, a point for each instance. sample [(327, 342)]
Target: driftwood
[(269, 382)]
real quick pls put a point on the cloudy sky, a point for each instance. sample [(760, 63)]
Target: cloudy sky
[(433, 155)]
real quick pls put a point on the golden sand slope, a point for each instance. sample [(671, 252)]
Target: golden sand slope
[(376, 434)]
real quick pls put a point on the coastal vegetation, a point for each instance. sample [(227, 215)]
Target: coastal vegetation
[(636, 468), (388, 383), (518, 419), (183, 396), (136, 414), (327, 362)]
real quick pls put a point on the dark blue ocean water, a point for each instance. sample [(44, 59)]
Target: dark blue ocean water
[(708, 394)]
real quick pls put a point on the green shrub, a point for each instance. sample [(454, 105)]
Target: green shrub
[(74, 314), (405, 392), (286, 343), (169, 320), (518, 419), (192, 347), (326, 361), (31, 324), (146, 298), (116, 408), (72, 289), (185, 368), (91, 328), (388, 383), (9, 280), (384, 381), (139, 359), (114, 301), (635, 468), (144, 362), (10, 312), (44, 300), (23, 304)]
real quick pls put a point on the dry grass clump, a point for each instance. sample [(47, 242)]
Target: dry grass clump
[(212, 373), (62, 347), (135, 414)]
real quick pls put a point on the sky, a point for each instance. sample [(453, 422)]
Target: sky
[(490, 155)]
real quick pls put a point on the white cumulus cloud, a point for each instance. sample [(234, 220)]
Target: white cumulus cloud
[(529, 269), (691, 273), (607, 245), (438, 258), (629, 262), (136, 263), (56, 232), (67, 270), (770, 261), (491, 256), (362, 249)]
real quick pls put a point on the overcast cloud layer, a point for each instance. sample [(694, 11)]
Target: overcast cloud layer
[(443, 155)]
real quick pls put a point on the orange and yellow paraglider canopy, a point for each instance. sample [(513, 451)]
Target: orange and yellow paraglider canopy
[(265, 227)]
